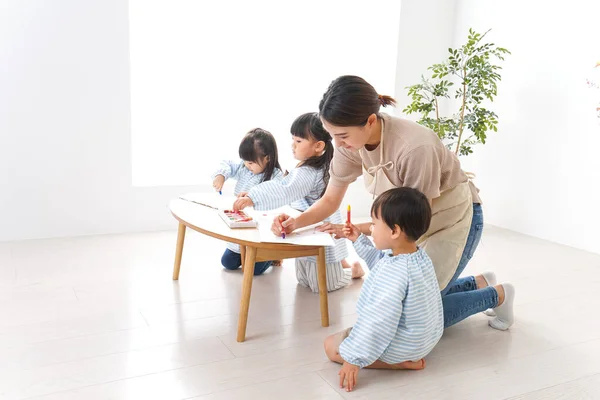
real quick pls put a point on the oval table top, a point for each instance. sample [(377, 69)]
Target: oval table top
[(206, 220)]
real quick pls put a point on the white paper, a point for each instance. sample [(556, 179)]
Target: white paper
[(267, 217), (213, 200), (305, 236)]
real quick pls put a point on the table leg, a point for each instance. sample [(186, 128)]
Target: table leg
[(178, 250), (246, 291), (322, 279), (243, 254)]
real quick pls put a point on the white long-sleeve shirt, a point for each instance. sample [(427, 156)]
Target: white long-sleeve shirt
[(400, 316), (245, 178), (300, 189)]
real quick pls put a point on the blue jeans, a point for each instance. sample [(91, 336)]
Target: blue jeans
[(461, 298), (232, 260)]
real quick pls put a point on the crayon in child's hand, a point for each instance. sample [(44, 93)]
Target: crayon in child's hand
[(348, 218)]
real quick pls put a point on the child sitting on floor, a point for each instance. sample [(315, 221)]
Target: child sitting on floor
[(259, 163), (400, 316), (301, 188)]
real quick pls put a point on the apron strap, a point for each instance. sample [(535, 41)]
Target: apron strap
[(388, 165)]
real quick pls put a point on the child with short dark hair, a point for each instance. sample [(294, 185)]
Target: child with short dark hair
[(400, 316)]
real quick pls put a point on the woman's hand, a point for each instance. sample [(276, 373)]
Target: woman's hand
[(218, 182), (283, 223), (242, 202), (337, 230)]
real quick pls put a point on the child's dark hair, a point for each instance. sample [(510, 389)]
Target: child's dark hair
[(257, 144), (406, 207), (350, 101), (308, 126)]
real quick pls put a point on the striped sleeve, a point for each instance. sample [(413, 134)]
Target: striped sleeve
[(229, 169), (281, 192), (277, 174), (379, 318), (365, 250)]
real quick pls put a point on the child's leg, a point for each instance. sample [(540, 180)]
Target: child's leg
[(306, 272), (356, 268), (301, 273), (231, 260), (261, 267), (332, 346)]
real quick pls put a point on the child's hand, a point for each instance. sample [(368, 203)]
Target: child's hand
[(242, 202), (351, 232), (349, 372), (218, 182), (243, 194)]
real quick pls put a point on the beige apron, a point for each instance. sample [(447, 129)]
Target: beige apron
[(375, 179), (452, 213)]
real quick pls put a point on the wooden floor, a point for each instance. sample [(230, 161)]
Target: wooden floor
[(100, 318)]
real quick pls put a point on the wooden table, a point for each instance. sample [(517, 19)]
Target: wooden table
[(205, 220)]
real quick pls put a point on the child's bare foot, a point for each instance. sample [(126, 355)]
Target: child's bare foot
[(414, 365), (357, 270), (277, 263)]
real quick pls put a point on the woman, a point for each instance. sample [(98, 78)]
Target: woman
[(393, 152)]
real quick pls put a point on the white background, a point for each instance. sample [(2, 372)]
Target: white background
[(65, 137), (205, 73)]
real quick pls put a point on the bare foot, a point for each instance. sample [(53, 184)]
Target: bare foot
[(414, 365), (357, 270), (277, 263)]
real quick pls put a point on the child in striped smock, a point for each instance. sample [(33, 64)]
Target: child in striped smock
[(259, 163), (301, 188), (400, 316)]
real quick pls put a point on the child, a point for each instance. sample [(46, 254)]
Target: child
[(400, 316), (260, 163), (301, 188)]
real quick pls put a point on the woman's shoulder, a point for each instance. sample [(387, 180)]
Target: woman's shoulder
[(409, 132), (404, 137)]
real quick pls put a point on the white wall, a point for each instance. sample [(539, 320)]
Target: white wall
[(540, 173), (65, 141), (65, 153), (426, 33)]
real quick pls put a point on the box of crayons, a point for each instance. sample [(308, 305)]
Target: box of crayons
[(237, 219)]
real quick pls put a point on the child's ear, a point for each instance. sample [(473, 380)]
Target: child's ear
[(320, 146), (396, 232)]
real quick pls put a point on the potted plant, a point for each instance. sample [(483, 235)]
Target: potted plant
[(473, 69)]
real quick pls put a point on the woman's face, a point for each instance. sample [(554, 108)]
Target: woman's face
[(351, 137)]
